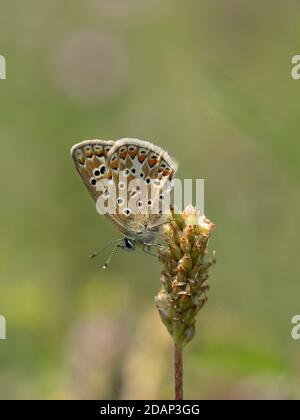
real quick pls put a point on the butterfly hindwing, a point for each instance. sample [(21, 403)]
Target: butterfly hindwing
[(90, 159)]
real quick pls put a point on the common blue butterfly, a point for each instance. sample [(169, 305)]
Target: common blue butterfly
[(103, 161)]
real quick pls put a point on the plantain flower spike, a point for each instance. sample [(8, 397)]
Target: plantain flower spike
[(185, 274)]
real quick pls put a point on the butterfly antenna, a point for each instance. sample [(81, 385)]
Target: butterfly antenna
[(110, 257), (94, 254)]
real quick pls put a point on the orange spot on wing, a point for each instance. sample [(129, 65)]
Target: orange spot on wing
[(88, 151), (123, 154), (141, 157), (99, 153), (80, 156), (166, 172), (132, 153), (152, 162), (114, 164)]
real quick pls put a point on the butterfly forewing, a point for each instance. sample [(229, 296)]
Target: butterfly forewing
[(140, 171)]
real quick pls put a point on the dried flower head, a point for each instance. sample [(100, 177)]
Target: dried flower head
[(185, 275)]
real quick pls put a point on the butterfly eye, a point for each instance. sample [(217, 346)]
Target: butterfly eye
[(107, 148), (102, 169), (148, 180), (121, 186), (140, 204), (93, 181), (149, 203), (120, 201), (161, 197), (96, 172), (126, 172), (142, 174), (133, 171), (127, 212)]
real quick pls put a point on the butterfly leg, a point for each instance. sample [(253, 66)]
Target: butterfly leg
[(148, 248)]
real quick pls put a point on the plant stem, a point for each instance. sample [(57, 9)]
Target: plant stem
[(178, 372)]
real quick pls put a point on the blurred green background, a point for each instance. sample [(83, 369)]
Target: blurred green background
[(210, 82)]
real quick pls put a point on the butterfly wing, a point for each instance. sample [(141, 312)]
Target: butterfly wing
[(90, 159), (139, 160)]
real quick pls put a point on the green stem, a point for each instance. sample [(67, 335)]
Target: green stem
[(178, 372)]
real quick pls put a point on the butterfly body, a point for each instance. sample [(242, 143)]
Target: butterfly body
[(120, 165), (144, 237)]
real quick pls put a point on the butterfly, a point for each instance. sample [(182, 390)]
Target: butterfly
[(134, 176)]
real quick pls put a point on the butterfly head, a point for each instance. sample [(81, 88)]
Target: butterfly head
[(127, 244)]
